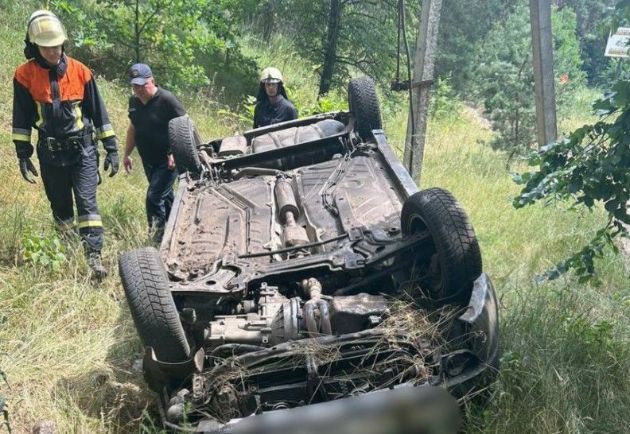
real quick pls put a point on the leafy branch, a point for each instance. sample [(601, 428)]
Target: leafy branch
[(589, 167)]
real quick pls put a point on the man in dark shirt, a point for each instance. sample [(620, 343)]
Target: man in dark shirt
[(150, 110), (272, 105)]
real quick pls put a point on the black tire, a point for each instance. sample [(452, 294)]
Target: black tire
[(457, 259), (185, 141), (364, 106), (151, 303)]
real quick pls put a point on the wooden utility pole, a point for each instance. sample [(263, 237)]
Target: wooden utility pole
[(421, 86), (542, 44)]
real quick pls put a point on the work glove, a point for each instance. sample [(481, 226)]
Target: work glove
[(27, 169), (111, 159)]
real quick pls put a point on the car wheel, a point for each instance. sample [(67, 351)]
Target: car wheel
[(364, 106), (151, 303), (185, 141), (456, 262)]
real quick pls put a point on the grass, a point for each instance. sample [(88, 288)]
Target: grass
[(68, 348)]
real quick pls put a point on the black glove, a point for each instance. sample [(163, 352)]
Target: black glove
[(111, 159), (27, 169)]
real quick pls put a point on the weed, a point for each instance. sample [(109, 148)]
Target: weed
[(44, 251)]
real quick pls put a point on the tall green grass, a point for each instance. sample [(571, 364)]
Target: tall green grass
[(69, 347)]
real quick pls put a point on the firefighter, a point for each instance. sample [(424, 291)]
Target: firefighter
[(272, 105), (57, 96)]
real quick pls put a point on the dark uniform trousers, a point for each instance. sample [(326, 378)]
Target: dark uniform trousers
[(160, 195), (64, 106), (80, 179)]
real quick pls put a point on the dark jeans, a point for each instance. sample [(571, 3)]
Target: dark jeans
[(159, 194), (80, 180)]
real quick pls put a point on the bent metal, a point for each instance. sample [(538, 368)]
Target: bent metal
[(302, 268)]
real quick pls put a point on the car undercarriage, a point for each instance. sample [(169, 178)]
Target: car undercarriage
[(301, 266)]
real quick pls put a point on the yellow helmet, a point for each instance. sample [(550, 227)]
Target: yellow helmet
[(45, 29), (271, 75)]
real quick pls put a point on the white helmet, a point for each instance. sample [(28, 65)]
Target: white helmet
[(45, 29), (271, 75)]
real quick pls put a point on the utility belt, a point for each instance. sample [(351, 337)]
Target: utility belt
[(71, 143)]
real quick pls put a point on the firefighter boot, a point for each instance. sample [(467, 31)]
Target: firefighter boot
[(94, 262)]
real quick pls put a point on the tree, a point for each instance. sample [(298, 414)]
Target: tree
[(504, 78), (463, 27), (330, 47), (593, 25), (175, 37), (357, 35), (590, 167)]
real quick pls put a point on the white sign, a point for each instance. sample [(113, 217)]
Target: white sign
[(618, 43)]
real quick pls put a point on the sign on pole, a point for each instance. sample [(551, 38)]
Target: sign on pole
[(618, 43)]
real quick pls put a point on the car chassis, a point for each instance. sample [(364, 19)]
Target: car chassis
[(301, 267)]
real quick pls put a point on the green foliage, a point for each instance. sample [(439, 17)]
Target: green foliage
[(561, 357), (46, 252), (186, 42), (567, 60), (444, 101), (589, 167), (593, 25), (463, 28), (366, 36), (332, 101), (464, 25), (505, 79)]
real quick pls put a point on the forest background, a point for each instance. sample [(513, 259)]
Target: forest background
[(68, 349)]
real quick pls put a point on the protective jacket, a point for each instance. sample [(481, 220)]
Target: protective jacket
[(63, 104), (266, 113)]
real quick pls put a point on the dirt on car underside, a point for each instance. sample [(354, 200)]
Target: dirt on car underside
[(241, 217)]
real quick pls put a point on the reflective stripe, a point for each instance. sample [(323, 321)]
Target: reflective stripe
[(21, 134), (21, 137), (104, 132), (78, 116), (22, 131), (40, 117), (91, 224), (86, 217)]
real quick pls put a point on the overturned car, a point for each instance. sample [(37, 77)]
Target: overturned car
[(303, 281)]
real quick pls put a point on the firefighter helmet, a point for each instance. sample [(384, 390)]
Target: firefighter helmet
[(271, 75), (45, 29)]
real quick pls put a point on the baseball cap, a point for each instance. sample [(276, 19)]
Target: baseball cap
[(139, 73)]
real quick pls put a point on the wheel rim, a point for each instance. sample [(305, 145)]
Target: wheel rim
[(433, 282)]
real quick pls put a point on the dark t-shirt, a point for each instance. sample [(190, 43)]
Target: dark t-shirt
[(151, 124), (268, 114)]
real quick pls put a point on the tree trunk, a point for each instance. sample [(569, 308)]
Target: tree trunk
[(268, 18), (137, 31), (330, 51)]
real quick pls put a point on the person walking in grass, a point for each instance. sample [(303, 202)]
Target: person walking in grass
[(272, 104), (57, 96), (150, 110)]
